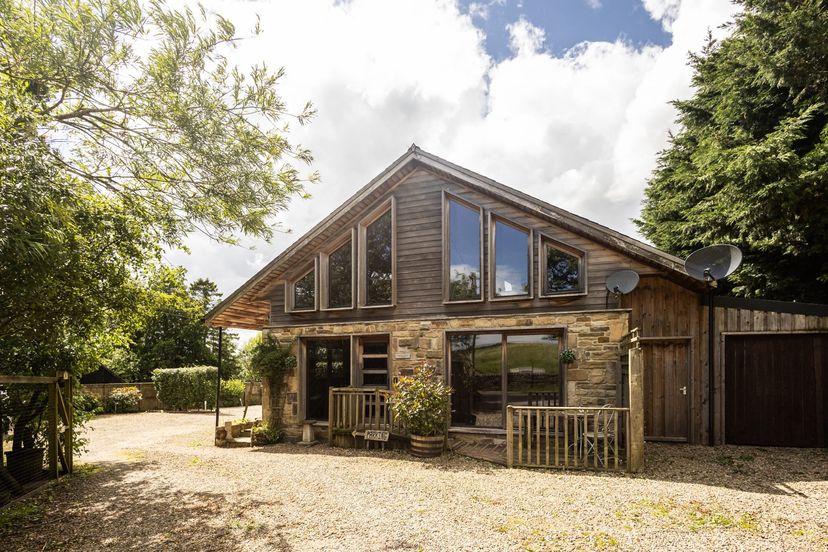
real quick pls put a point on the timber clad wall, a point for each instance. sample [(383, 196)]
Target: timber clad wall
[(591, 381), (419, 260)]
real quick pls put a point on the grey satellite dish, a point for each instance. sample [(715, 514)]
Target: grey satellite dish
[(622, 282), (713, 263)]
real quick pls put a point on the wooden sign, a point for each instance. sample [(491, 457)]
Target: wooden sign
[(377, 435)]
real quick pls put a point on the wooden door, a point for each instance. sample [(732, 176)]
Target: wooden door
[(666, 390), (775, 390)]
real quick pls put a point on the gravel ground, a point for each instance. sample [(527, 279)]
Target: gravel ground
[(154, 481)]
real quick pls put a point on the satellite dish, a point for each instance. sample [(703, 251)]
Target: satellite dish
[(622, 282), (713, 263)]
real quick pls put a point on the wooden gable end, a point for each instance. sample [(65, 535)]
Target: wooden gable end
[(419, 257)]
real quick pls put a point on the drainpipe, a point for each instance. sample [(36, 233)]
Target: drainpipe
[(218, 376)]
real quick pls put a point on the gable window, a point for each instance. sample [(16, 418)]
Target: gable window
[(377, 256), (562, 270), (301, 292), (511, 259), (338, 277), (463, 258)]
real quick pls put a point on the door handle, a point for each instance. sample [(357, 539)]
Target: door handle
[(683, 390)]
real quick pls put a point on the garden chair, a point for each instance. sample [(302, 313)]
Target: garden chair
[(592, 440)]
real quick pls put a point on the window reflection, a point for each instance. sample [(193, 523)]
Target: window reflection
[(511, 260), (378, 261), (533, 370), (476, 379), (562, 271), (328, 365), (464, 252), (339, 277), (304, 292)]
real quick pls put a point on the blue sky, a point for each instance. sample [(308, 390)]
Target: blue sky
[(566, 22)]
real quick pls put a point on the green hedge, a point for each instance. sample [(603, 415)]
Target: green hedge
[(189, 388)]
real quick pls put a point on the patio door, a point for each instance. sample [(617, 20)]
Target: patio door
[(328, 364)]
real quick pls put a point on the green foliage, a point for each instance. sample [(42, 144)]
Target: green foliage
[(568, 356), (270, 359), (186, 388), (750, 165), (123, 399), (231, 392), (266, 434), (84, 402), (422, 402)]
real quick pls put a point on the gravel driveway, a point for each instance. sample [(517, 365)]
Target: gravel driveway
[(154, 481)]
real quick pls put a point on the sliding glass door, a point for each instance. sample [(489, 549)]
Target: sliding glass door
[(328, 365), (490, 370)]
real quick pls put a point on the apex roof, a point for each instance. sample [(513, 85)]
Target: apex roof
[(248, 308)]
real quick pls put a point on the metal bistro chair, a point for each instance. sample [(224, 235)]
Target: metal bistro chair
[(605, 429)]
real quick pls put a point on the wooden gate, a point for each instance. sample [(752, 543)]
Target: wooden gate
[(666, 389), (776, 387)]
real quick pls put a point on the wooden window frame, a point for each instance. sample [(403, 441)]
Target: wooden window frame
[(289, 286), (493, 218), (358, 369), (384, 207), (583, 276), (447, 197), (324, 272), (560, 331)]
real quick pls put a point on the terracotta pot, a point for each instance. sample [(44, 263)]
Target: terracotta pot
[(25, 464), (427, 447)]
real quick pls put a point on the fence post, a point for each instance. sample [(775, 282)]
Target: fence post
[(510, 435), (635, 446), (330, 415), (70, 416), (51, 417)]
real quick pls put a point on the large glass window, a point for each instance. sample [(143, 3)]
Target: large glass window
[(464, 254), (304, 292), (512, 257), (328, 365), (562, 270), (491, 370), (340, 277), (379, 261)]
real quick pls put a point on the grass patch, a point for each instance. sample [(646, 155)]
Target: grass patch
[(17, 513), (195, 461), (132, 455), (195, 444), (84, 470), (484, 500)]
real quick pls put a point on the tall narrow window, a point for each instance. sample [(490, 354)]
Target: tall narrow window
[(562, 270), (464, 255), (304, 292), (512, 260), (340, 277), (378, 256)]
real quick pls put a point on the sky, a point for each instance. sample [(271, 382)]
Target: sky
[(566, 100)]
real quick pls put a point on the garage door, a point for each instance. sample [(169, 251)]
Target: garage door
[(776, 388)]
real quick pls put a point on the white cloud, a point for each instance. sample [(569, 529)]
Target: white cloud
[(580, 130), (594, 4), (525, 38)]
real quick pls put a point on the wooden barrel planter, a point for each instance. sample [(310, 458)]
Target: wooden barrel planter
[(427, 447)]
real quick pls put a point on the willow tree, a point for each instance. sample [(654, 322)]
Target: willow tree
[(750, 163)]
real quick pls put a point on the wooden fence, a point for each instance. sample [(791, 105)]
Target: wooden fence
[(567, 437), (354, 409)]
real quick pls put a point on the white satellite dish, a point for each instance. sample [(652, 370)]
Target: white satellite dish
[(713, 262), (622, 282)]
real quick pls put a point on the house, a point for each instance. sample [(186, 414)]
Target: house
[(431, 262)]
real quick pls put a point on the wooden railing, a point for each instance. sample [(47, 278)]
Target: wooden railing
[(354, 409), (568, 437)]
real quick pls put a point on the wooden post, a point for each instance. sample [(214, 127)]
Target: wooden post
[(510, 435), (635, 435), (68, 436), (52, 419), (218, 377), (330, 415)]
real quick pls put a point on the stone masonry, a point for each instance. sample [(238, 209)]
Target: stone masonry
[(595, 336)]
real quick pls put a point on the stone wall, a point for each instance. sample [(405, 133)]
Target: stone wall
[(595, 336)]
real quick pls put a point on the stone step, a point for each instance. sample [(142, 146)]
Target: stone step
[(239, 442)]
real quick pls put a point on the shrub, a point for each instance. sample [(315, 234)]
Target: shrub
[(568, 356), (186, 388), (85, 402), (123, 399), (422, 402), (266, 434), (231, 392)]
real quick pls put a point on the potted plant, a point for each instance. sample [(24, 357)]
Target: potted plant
[(422, 403), (567, 356)]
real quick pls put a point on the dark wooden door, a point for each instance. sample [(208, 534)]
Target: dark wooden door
[(666, 390), (775, 390)]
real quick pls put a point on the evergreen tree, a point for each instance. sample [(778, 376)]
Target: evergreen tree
[(750, 164)]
